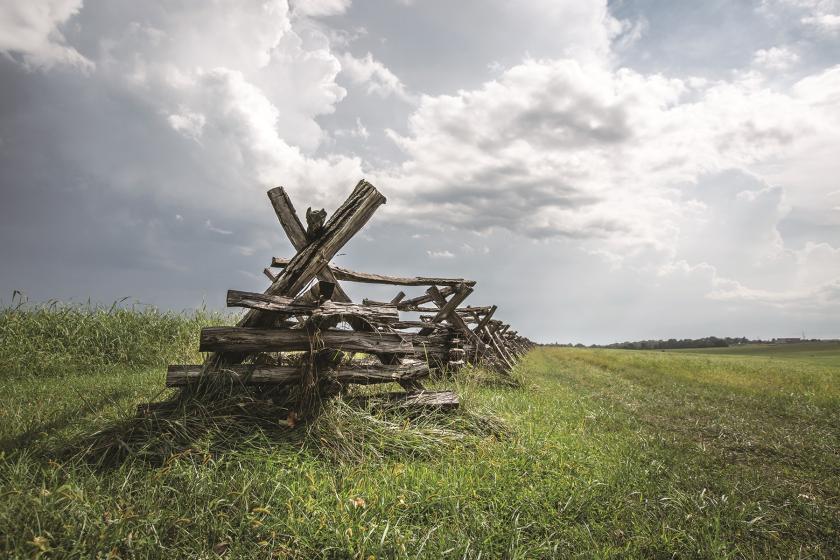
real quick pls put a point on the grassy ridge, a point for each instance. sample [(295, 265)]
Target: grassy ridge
[(607, 454)]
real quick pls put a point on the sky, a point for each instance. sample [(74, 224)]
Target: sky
[(605, 170)]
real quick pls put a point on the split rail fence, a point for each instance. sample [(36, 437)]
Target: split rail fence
[(304, 330)]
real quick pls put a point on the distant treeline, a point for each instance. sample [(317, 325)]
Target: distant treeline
[(673, 343)]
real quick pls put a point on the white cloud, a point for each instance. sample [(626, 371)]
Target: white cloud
[(188, 123), (821, 15), (629, 32), (241, 81), (820, 298), (826, 22), (31, 28), (556, 149), (615, 161), (775, 58), (319, 7), (374, 76), (359, 131), (209, 225), (445, 254)]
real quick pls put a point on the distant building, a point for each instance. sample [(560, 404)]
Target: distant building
[(787, 340)]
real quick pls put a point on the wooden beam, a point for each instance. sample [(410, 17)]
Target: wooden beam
[(419, 325), (250, 340), (398, 298), (474, 310), (180, 375), (367, 278), (371, 313), (485, 319), (270, 275), (501, 351), (426, 298)]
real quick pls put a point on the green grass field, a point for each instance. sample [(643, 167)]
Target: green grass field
[(605, 453), (822, 353)]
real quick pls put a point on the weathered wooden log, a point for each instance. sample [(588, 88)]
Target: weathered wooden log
[(270, 275), (470, 310), (485, 319), (380, 373), (414, 303), (367, 278), (398, 298), (419, 325), (501, 352), (426, 298), (401, 307), (371, 313), (180, 375), (249, 340)]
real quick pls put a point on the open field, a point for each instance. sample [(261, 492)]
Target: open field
[(822, 353), (606, 453)]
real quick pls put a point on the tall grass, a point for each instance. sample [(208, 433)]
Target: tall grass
[(53, 338)]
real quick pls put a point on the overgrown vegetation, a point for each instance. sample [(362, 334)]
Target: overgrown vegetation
[(59, 338), (605, 453)]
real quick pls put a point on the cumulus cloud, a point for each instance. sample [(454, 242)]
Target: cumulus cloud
[(32, 30), (237, 80), (638, 169), (553, 148)]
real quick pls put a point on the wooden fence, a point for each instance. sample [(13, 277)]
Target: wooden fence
[(305, 331)]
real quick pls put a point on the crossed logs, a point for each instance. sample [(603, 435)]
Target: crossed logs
[(305, 331)]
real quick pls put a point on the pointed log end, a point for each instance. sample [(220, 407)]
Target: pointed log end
[(364, 185)]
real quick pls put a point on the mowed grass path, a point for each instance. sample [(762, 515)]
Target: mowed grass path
[(613, 454)]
